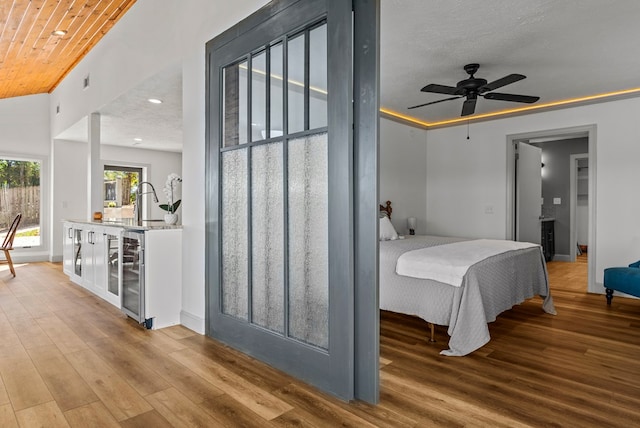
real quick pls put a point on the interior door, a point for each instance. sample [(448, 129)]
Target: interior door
[(528, 193), (280, 191)]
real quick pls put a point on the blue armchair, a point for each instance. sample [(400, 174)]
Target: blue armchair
[(623, 279)]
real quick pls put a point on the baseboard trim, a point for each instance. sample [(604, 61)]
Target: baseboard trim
[(192, 322), (562, 258)]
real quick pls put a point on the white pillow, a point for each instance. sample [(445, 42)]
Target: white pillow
[(387, 231)]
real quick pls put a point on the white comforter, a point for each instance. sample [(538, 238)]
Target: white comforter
[(449, 263)]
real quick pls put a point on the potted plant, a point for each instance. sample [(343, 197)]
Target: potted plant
[(172, 205)]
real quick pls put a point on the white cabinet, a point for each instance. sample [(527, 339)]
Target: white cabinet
[(72, 251), (85, 258), (163, 276), (95, 257), (94, 276), (67, 248)]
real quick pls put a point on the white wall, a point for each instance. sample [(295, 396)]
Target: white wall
[(465, 177), (24, 125), (152, 35), (24, 130), (403, 173), (70, 193), (69, 172)]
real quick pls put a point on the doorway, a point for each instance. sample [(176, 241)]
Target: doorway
[(120, 184), (559, 202)]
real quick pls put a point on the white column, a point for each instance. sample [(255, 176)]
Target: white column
[(94, 170)]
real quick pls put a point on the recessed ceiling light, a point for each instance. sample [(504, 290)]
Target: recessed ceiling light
[(137, 140), (59, 33), (154, 101)]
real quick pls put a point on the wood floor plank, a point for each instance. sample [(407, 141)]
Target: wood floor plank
[(64, 338), (146, 420), (294, 418), (231, 413), (82, 325), (450, 409), (94, 415), (13, 309), (254, 398), (165, 342), (263, 376), (184, 380), (130, 366), (180, 411), (318, 409), (178, 332), (35, 305), (43, 415), (24, 384), (116, 394), (30, 334), (68, 388), (4, 397), (7, 417)]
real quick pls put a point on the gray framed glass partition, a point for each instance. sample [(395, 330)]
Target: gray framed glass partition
[(280, 239)]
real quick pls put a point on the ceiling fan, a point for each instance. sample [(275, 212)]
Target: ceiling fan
[(473, 87)]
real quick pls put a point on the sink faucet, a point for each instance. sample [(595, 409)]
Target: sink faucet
[(137, 211)]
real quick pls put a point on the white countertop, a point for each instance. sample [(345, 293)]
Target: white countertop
[(130, 225)]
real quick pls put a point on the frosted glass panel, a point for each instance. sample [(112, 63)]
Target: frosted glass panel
[(268, 236), (308, 240), (234, 233), (318, 77)]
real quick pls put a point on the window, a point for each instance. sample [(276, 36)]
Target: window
[(20, 193), (120, 185)]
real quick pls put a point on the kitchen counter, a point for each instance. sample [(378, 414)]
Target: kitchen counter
[(129, 224), (138, 269)]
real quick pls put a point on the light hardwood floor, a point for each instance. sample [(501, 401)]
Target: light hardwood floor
[(69, 359)]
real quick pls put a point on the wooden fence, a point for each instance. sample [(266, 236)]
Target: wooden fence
[(25, 200)]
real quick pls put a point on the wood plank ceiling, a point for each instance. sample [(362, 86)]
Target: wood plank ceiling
[(33, 59)]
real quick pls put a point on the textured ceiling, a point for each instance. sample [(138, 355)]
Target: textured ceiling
[(567, 49)]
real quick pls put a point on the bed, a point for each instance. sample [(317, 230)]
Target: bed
[(488, 287)]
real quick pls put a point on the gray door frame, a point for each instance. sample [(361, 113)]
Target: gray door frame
[(350, 367)]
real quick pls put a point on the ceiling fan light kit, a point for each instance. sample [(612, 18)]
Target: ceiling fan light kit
[(472, 87)]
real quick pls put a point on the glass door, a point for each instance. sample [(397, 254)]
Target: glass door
[(280, 238), (133, 275), (113, 268), (77, 252)]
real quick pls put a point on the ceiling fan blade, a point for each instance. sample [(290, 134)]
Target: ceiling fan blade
[(469, 106), (440, 89), (434, 102), (506, 80), (511, 97)]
